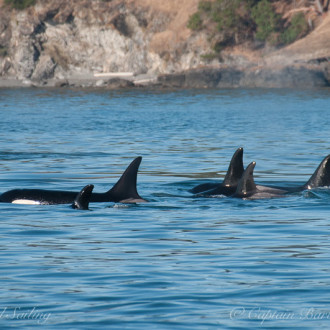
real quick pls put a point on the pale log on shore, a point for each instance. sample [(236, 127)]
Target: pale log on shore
[(114, 74)]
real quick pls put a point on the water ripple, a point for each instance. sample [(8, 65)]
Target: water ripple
[(179, 261)]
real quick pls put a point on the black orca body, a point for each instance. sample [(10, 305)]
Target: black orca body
[(247, 189), (230, 182), (123, 191), (82, 200), (321, 176)]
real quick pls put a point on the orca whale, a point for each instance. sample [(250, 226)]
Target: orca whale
[(124, 191), (321, 176), (82, 200), (248, 189), (230, 182)]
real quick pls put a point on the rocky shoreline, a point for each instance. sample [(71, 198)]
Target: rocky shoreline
[(144, 44), (298, 76)]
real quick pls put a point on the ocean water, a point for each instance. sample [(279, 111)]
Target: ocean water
[(178, 261)]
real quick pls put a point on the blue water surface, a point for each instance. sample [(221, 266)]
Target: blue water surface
[(179, 261)]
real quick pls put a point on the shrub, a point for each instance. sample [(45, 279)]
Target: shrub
[(266, 19), (225, 14), (195, 22), (232, 22), (209, 57), (226, 19), (205, 6), (20, 4), (297, 29)]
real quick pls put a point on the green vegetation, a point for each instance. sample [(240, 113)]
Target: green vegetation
[(195, 22), (226, 15), (297, 29), (20, 4), (266, 20), (230, 22), (3, 51), (205, 6), (209, 57)]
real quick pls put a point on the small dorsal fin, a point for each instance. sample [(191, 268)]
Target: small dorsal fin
[(125, 188), (83, 198), (235, 169), (246, 186), (321, 177)]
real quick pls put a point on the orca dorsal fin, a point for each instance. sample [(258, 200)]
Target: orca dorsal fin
[(125, 189), (246, 186), (83, 198), (321, 176), (235, 169)]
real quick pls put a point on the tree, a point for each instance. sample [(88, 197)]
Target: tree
[(266, 19)]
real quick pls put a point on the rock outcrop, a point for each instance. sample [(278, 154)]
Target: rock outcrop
[(284, 77)]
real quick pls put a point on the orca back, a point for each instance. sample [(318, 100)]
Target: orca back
[(321, 176), (229, 184), (235, 169), (246, 186), (125, 189), (82, 200)]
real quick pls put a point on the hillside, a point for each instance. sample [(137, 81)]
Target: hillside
[(314, 47), (77, 41)]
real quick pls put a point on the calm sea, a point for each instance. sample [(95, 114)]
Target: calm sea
[(177, 262)]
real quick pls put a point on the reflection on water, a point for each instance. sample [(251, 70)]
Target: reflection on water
[(178, 261)]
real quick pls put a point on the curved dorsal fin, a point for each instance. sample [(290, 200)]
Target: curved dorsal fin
[(321, 176), (82, 200), (246, 186), (235, 169), (125, 188)]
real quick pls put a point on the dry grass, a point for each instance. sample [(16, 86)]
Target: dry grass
[(318, 40), (176, 32), (169, 6), (315, 45)]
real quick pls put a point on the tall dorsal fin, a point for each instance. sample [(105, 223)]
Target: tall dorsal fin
[(82, 200), (235, 169), (125, 188), (321, 177), (246, 186)]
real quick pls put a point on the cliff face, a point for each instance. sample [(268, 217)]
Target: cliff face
[(78, 38), (60, 38)]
